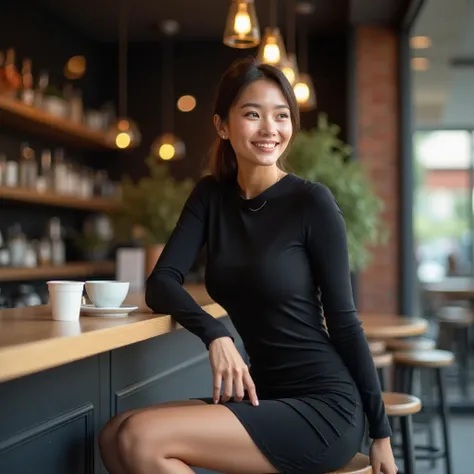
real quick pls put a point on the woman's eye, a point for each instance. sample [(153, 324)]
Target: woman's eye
[(252, 114), (283, 116)]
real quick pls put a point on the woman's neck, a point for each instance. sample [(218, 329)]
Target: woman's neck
[(254, 181)]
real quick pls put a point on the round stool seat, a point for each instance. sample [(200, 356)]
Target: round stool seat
[(456, 315), (377, 347), (382, 360), (360, 464), (401, 404), (433, 358), (420, 344)]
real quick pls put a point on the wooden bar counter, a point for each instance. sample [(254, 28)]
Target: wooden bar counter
[(61, 381)]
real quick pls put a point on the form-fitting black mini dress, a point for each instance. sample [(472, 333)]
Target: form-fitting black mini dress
[(274, 270)]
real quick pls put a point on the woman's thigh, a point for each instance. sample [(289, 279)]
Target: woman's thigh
[(199, 435)]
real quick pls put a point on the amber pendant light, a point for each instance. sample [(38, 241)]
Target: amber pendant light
[(168, 146), (289, 65), (303, 88), (241, 29), (272, 48), (124, 132)]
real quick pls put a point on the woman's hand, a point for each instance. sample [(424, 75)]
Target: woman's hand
[(381, 457), (229, 367)]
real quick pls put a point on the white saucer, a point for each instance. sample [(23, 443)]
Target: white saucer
[(120, 312)]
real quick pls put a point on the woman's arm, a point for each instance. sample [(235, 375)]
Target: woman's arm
[(327, 246), (164, 290)]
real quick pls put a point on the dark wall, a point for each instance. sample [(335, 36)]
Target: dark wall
[(198, 66)]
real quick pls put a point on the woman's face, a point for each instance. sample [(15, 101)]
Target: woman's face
[(259, 124)]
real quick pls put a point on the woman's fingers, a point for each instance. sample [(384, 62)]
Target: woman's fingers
[(216, 392), (238, 385), (228, 382), (251, 390)]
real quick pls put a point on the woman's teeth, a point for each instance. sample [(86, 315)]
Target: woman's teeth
[(265, 145)]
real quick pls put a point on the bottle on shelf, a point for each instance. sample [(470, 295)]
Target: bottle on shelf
[(12, 76), (4, 253), (28, 167), (3, 168), (16, 246), (59, 171), (58, 248), (44, 181), (43, 82), (27, 93), (11, 177)]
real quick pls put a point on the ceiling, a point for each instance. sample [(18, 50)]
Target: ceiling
[(444, 95), (98, 19)]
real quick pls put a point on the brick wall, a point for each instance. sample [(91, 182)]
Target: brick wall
[(378, 148)]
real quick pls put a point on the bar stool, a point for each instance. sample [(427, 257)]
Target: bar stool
[(419, 343), (403, 407), (455, 323), (382, 362), (360, 464), (436, 360), (377, 347)]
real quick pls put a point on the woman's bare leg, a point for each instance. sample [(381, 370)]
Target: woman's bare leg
[(168, 440), (108, 434)]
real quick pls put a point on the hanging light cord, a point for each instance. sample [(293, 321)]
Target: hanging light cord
[(123, 58), (290, 26), (303, 46), (273, 13), (167, 85)]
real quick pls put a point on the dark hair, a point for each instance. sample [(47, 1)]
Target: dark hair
[(223, 162)]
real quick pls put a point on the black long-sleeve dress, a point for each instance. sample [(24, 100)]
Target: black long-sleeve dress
[(274, 262)]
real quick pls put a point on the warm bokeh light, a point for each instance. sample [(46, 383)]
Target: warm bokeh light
[(75, 68), (186, 103), (301, 92), (420, 64), (123, 140), (420, 42), (166, 152), (168, 147), (242, 23), (124, 133)]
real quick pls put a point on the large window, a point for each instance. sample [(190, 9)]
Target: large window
[(443, 211)]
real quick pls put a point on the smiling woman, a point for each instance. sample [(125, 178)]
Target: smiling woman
[(276, 253)]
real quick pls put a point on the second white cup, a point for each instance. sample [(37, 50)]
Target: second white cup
[(65, 298)]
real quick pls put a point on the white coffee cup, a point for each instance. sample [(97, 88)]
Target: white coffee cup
[(107, 294), (65, 298)]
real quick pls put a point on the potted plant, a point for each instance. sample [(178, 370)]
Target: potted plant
[(150, 209), (320, 155)]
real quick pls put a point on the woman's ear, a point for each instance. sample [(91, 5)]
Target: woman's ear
[(221, 127)]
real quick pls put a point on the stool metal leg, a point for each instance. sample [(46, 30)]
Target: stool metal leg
[(444, 414), (406, 426)]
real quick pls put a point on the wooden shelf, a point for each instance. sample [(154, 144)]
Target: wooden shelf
[(34, 120), (53, 199), (70, 270)]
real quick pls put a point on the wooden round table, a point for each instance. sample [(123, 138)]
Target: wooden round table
[(385, 326)]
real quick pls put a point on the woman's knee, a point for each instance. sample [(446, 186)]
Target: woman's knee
[(133, 443)]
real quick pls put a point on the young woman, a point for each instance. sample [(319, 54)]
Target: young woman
[(276, 256)]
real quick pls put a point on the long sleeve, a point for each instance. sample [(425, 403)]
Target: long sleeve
[(327, 246), (164, 286)]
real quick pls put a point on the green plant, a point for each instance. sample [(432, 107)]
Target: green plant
[(320, 155), (151, 207)]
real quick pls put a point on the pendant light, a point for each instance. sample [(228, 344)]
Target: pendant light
[(303, 88), (272, 48), (123, 133), (241, 29), (289, 65), (168, 146)]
